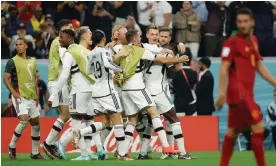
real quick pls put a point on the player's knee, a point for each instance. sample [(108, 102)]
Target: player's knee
[(257, 128), (171, 116), (24, 123), (34, 121), (152, 111), (64, 116), (24, 117), (232, 133), (133, 120)]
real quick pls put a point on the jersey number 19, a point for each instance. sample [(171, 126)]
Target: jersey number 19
[(97, 70)]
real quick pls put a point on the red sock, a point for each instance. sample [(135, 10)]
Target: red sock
[(227, 150), (257, 143)]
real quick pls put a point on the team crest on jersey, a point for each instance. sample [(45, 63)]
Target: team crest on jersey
[(255, 114), (225, 51)]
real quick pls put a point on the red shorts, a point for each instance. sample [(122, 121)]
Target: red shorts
[(244, 114)]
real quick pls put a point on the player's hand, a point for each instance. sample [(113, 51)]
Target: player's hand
[(184, 58), (181, 48), (47, 108), (220, 101), (16, 96), (116, 78), (50, 101), (49, 104)]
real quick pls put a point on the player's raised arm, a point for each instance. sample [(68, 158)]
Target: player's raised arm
[(171, 59), (262, 70), (107, 60)]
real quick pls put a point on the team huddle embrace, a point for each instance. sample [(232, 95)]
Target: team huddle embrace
[(124, 83)]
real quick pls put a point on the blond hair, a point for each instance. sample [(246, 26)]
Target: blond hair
[(115, 29)]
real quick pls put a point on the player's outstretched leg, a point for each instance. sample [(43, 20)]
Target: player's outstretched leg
[(17, 133), (97, 140), (49, 144), (257, 143), (35, 139), (228, 146), (159, 129), (93, 128)]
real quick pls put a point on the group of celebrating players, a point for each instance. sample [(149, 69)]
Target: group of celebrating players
[(126, 78)]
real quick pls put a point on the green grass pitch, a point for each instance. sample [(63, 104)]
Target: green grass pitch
[(204, 159)]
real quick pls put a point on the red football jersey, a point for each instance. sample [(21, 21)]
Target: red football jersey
[(243, 56)]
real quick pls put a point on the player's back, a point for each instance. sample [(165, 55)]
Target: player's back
[(103, 76), (243, 57)]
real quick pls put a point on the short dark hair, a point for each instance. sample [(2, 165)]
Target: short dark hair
[(205, 61), (80, 32), (172, 47), (69, 32), (130, 35), (23, 39), (152, 27), (97, 36), (62, 23), (245, 11), (165, 29)]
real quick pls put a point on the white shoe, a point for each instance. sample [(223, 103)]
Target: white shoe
[(61, 150), (167, 156), (164, 156), (82, 158), (93, 156)]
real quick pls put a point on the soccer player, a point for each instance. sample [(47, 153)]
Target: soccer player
[(240, 61), (118, 40), (84, 39), (106, 101), (158, 86), (61, 100), (20, 79), (135, 95)]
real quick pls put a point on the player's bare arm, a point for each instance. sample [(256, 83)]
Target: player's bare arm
[(171, 60), (222, 83), (7, 77), (124, 52), (262, 70)]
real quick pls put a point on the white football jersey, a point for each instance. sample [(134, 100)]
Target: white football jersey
[(101, 65), (78, 80), (156, 74), (136, 82)]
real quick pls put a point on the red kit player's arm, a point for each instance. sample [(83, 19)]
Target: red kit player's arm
[(262, 70), (227, 57), (223, 74)]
